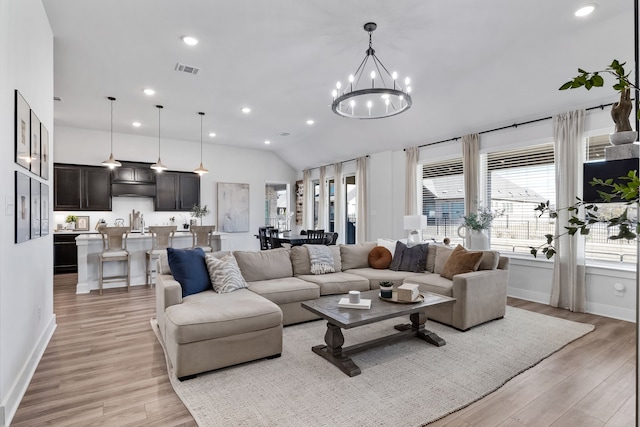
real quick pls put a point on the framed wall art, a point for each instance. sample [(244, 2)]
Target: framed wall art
[(44, 152), (35, 144), (22, 131), (44, 209), (82, 223), (22, 205), (233, 207), (35, 208)]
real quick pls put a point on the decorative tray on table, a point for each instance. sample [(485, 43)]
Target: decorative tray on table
[(394, 298)]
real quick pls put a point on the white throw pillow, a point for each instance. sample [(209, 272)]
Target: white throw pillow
[(225, 274), (389, 244)]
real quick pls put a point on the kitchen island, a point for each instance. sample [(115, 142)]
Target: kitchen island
[(89, 246)]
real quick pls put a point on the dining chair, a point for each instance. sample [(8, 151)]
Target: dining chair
[(161, 239), (330, 238), (114, 248), (263, 235), (315, 237), (273, 238), (203, 237)]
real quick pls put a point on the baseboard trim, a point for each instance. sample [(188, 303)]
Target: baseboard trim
[(528, 295), (19, 388)]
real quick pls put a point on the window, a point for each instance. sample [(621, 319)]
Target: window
[(276, 206), (332, 204), (443, 200), (316, 202), (516, 182), (351, 200), (598, 246)]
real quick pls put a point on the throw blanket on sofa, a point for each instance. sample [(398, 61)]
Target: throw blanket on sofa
[(321, 259)]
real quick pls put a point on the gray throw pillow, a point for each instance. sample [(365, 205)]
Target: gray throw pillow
[(413, 259), (225, 274)]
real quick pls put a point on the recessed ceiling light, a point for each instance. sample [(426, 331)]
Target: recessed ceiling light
[(212, 134), (585, 10), (149, 91), (190, 41), (245, 110), (310, 122), (267, 142), (136, 124)]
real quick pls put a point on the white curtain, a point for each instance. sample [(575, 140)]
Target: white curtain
[(568, 289), (339, 203), (471, 170), (411, 186), (307, 200), (323, 223), (361, 199)]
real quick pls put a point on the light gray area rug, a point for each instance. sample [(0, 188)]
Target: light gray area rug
[(410, 383)]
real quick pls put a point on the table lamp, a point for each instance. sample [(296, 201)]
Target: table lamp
[(415, 223)]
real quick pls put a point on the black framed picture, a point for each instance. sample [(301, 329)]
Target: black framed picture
[(35, 208), (22, 205), (44, 209), (35, 144), (22, 131), (44, 152)]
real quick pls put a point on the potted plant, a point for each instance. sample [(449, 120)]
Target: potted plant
[(386, 289), (199, 212), (621, 110), (71, 222), (475, 224)]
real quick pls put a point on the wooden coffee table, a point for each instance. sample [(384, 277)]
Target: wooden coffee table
[(347, 318)]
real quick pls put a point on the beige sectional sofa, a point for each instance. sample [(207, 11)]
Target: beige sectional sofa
[(208, 330)]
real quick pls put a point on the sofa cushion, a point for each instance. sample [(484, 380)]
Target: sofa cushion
[(286, 290), (189, 269), (379, 257), (264, 265), (461, 261), (442, 255), (356, 256), (431, 256), (409, 258), (376, 276), (210, 315), (337, 283), (302, 265), (430, 282), (224, 274), (490, 260)]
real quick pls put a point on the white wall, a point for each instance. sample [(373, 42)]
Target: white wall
[(26, 269), (529, 278), (225, 164)]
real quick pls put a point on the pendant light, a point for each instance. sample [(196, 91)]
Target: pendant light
[(158, 166), (201, 170), (111, 162)]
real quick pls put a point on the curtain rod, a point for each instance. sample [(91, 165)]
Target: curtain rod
[(515, 125), (331, 164)]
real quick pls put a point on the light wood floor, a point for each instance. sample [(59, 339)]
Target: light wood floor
[(103, 366)]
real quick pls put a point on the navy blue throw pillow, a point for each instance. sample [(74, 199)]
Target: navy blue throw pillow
[(189, 268)]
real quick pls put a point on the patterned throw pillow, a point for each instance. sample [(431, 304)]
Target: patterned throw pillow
[(412, 259), (225, 274)]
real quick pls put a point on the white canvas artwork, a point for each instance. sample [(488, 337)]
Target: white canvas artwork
[(233, 207)]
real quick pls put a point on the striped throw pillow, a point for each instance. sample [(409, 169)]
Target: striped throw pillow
[(225, 274)]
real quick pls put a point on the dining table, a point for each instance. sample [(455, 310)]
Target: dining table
[(292, 239)]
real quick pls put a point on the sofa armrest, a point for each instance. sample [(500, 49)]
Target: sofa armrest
[(168, 293), (480, 296)]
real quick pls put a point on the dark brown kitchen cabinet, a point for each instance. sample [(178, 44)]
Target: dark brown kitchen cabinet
[(81, 188), (65, 253), (134, 173), (177, 191)]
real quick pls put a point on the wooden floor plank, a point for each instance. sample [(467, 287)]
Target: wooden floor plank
[(104, 366)]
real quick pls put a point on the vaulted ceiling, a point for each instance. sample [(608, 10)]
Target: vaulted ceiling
[(474, 65)]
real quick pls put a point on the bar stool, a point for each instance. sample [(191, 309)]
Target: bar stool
[(161, 239), (203, 237), (114, 248)]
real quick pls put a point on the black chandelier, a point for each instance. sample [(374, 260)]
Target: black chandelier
[(371, 99)]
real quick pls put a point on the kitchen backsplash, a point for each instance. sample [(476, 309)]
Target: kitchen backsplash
[(122, 207)]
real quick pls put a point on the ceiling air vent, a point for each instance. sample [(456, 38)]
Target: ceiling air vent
[(187, 68)]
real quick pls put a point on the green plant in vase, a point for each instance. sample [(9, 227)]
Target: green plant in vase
[(199, 212)]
